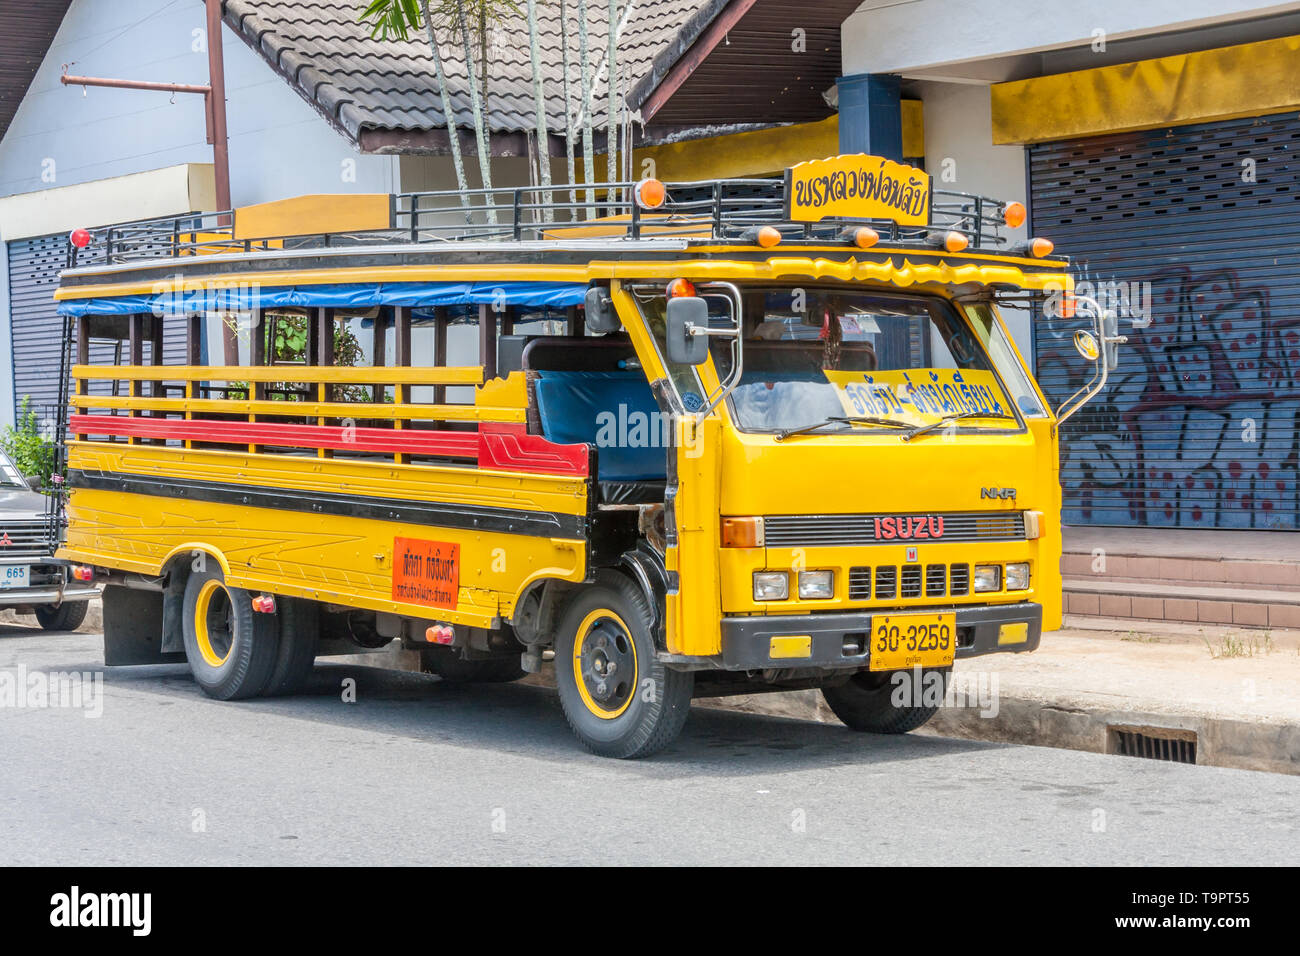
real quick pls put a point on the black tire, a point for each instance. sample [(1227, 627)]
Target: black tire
[(62, 617), (299, 622), (447, 663), (642, 708), (866, 701), (231, 649)]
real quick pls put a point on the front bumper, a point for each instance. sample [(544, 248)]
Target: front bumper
[(24, 597), (746, 641)]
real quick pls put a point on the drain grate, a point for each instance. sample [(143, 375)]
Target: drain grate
[(1154, 743)]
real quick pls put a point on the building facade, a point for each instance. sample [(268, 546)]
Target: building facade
[(1154, 143)]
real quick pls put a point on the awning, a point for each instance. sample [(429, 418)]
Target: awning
[(236, 297)]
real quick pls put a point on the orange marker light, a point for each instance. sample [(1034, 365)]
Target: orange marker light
[(650, 193), (865, 238), (680, 289), (1014, 215), (769, 236), (955, 242), (742, 532), (1041, 247)]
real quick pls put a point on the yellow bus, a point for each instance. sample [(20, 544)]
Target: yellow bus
[(682, 440)]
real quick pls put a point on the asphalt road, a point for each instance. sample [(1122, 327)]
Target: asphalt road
[(420, 772)]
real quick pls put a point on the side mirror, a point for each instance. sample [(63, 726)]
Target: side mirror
[(683, 347), (601, 316), (1085, 343)]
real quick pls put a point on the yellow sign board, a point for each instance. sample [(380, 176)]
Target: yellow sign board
[(922, 395), (857, 187)]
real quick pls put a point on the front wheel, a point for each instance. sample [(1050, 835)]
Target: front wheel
[(620, 700), (62, 617), (888, 702)]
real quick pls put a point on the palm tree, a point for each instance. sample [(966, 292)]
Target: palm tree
[(539, 96), (588, 164), (395, 18), (611, 131), (568, 111)]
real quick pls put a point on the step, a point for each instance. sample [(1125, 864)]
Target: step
[(1266, 571), (1161, 601)]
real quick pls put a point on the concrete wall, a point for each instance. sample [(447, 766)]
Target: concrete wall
[(960, 154)]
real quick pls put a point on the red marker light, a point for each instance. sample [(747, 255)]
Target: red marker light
[(440, 634), (79, 238), (264, 604), (81, 572), (680, 289)]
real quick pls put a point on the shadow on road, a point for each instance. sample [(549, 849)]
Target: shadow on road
[(524, 720)]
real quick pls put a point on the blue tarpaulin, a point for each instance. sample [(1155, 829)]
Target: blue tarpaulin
[(231, 296)]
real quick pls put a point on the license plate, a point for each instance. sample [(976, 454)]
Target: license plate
[(901, 641), (14, 576)]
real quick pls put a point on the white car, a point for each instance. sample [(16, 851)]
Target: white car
[(31, 580)]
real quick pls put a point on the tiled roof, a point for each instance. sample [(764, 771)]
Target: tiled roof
[(359, 83)]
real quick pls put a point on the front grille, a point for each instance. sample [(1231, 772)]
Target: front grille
[(886, 582), (23, 539), (959, 580), (936, 580), (859, 584), (932, 580), (911, 586), (804, 531)]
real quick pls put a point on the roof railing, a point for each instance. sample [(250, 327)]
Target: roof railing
[(717, 210)]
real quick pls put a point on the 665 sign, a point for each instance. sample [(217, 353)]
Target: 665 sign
[(857, 187)]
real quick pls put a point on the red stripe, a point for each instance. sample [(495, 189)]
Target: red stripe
[(389, 440), (532, 453), (492, 449)]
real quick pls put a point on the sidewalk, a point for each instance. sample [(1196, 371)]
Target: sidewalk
[(1237, 691)]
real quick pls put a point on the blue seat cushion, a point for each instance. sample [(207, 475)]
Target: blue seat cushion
[(614, 411)]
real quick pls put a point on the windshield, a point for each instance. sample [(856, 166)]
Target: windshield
[(10, 476), (814, 355)]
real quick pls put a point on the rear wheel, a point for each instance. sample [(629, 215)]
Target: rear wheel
[(299, 622), (620, 700), (231, 650), (882, 703), (62, 617)]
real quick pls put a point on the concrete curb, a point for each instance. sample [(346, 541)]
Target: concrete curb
[(1070, 723)]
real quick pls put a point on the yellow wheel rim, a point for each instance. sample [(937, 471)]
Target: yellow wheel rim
[(605, 666), (212, 626)]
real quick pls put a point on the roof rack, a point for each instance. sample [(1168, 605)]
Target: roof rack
[(723, 210)]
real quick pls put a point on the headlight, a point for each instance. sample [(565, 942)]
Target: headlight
[(988, 577), (1017, 577), (771, 585), (816, 584)]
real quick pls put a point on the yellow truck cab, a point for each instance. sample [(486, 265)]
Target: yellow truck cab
[(702, 439)]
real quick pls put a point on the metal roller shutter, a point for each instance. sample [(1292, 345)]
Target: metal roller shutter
[(37, 329), (1198, 427)]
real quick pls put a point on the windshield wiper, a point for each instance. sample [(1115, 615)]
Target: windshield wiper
[(785, 433), (948, 420)]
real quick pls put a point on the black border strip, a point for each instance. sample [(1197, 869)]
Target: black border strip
[(544, 524)]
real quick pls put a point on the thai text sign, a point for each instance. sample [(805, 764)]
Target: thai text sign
[(857, 187)]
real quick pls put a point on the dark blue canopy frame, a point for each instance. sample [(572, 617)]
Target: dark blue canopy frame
[(236, 298)]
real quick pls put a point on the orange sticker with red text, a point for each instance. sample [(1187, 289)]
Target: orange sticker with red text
[(426, 572)]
